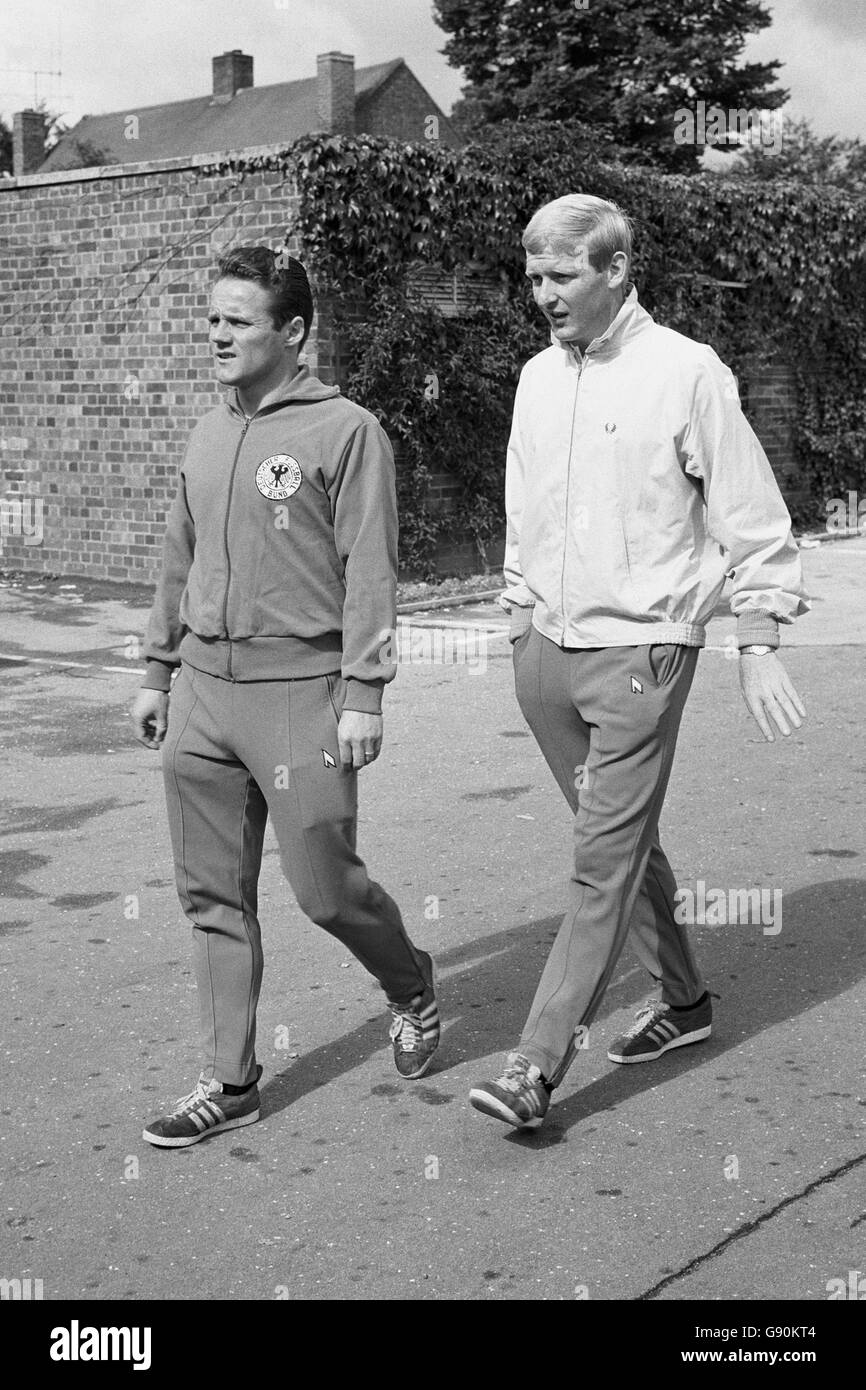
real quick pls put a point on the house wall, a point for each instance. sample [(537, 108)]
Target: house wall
[(401, 108)]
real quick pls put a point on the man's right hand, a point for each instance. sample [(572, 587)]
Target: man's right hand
[(149, 715)]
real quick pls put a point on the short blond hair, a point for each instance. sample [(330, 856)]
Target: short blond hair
[(560, 224)]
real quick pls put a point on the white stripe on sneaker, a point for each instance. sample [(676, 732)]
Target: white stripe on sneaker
[(670, 1029)]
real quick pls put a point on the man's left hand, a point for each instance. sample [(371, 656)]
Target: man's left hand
[(360, 738), (768, 691)]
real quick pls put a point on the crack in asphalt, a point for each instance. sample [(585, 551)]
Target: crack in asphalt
[(748, 1228)]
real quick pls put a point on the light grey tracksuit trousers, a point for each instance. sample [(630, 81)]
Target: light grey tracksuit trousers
[(236, 752), (606, 720)]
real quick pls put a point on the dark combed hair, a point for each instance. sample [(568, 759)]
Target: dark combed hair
[(280, 274)]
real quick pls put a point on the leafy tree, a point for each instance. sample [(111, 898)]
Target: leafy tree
[(626, 64), (5, 147), (807, 158), (55, 127)]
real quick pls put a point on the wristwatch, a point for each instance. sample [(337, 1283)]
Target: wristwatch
[(755, 651)]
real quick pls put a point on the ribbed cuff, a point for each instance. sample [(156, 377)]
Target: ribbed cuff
[(757, 627), (364, 696), (521, 619), (158, 676)]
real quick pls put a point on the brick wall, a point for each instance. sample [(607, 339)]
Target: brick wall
[(456, 551), (103, 361), (769, 401)]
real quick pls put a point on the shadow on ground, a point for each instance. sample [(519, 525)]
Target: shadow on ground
[(486, 994)]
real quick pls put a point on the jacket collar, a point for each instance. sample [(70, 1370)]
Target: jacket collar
[(304, 388), (630, 318)]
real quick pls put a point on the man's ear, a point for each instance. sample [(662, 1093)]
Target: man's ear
[(618, 270), (293, 332)]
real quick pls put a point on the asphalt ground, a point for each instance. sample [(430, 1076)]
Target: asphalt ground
[(734, 1170)]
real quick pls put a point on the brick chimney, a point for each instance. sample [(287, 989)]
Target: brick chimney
[(336, 94), (231, 71), (28, 142)]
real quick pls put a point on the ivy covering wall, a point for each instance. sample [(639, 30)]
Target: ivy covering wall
[(757, 269)]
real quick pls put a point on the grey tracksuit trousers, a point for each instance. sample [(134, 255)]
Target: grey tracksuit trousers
[(606, 720), (236, 752)]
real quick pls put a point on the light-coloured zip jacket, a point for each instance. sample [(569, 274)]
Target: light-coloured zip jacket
[(634, 484)]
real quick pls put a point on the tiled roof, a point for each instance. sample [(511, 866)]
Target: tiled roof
[(253, 116)]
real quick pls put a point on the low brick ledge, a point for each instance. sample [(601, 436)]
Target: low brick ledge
[(143, 167)]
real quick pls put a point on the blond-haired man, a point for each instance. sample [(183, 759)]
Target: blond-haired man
[(634, 486)]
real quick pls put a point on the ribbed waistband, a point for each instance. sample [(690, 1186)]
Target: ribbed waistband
[(263, 658)]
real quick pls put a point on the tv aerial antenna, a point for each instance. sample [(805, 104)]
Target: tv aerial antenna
[(55, 96)]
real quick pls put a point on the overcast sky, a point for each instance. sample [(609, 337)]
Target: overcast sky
[(119, 55)]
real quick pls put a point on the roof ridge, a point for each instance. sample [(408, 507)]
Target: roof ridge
[(392, 64)]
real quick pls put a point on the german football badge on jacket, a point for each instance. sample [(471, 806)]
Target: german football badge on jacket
[(279, 477)]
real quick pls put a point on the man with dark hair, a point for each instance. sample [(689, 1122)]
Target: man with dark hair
[(280, 274), (275, 602), (633, 486)]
